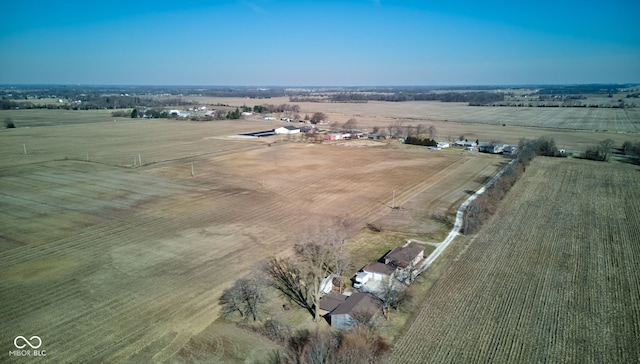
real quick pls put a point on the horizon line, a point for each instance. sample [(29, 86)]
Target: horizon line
[(626, 84)]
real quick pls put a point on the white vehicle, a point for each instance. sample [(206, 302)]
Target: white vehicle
[(361, 278)]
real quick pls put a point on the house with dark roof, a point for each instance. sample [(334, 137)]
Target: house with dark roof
[(355, 308), (331, 301), (404, 256)]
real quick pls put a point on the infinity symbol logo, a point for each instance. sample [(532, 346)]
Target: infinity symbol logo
[(28, 342)]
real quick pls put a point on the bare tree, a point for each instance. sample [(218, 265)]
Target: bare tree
[(300, 280), (432, 131), (318, 117), (245, 297), (397, 129), (289, 278), (350, 124), (605, 147)]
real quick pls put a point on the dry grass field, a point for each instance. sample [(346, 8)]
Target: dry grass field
[(106, 262), (572, 128), (552, 277)]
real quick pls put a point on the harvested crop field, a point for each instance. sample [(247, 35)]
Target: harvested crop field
[(106, 262), (552, 277), (574, 128)]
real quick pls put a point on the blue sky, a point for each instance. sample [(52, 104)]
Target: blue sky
[(319, 43)]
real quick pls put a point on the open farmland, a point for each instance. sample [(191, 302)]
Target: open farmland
[(106, 262), (572, 128), (552, 277)]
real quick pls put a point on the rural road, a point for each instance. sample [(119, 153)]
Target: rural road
[(458, 223)]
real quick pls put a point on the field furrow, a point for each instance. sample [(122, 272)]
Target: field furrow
[(549, 278)]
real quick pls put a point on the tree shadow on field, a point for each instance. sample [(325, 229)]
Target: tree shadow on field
[(469, 192)]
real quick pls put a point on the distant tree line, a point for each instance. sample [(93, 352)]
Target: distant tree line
[(473, 98), (398, 129), (97, 102), (605, 89)]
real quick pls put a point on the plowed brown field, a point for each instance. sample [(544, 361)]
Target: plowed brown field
[(553, 277), (106, 262)]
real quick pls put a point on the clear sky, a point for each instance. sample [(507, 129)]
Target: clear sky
[(319, 43)]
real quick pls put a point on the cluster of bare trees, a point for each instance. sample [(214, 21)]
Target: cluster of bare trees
[(299, 278), (543, 146), (359, 345), (600, 152), (400, 130), (244, 298), (603, 150)]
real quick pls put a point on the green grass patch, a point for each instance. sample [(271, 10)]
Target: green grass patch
[(369, 246)]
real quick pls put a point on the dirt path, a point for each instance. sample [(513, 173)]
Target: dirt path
[(457, 226)]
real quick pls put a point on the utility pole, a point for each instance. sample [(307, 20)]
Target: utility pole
[(393, 201)]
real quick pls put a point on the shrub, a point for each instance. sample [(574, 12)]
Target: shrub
[(8, 123)]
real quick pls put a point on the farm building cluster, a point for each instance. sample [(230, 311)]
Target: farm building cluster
[(492, 147), (372, 285), (204, 113)]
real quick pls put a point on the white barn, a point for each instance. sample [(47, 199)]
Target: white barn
[(287, 130)]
